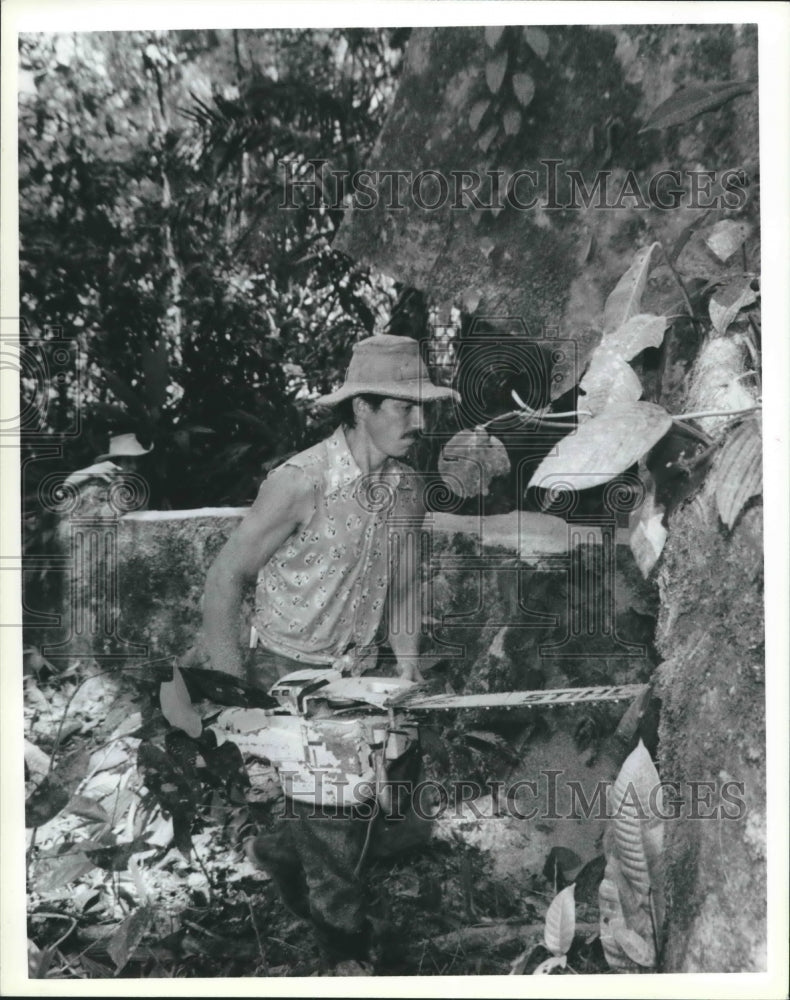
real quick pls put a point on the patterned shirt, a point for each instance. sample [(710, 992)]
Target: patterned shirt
[(324, 589)]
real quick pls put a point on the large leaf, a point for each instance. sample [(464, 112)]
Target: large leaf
[(128, 935), (177, 706), (523, 88), (697, 260), (560, 922), (603, 447), (224, 689), (479, 108), (511, 121), (625, 947), (638, 827), (647, 532), (493, 33), (738, 475), (628, 725), (640, 331), (609, 381), (726, 237), (88, 808), (727, 302), (626, 297), (495, 71), (63, 871), (175, 786), (695, 100), (611, 912), (538, 40), (547, 966), (45, 801), (562, 862), (637, 948), (470, 460)]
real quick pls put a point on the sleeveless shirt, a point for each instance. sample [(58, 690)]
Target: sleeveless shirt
[(325, 587)]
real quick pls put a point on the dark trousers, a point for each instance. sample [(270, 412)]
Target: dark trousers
[(314, 856), (312, 861)]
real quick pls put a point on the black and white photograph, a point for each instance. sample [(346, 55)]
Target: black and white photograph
[(394, 449)]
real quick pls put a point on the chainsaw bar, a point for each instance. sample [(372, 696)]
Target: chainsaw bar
[(520, 699)]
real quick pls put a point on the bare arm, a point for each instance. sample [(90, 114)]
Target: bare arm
[(405, 605), (283, 504)]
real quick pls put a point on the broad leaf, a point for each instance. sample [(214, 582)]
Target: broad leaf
[(511, 121), (115, 857), (495, 72), (63, 871), (637, 333), (697, 260), (538, 41), (518, 965), (560, 922), (638, 826), (485, 141), (470, 460), (523, 88), (128, 935), (493, 33), (738, 475), (726, 237), (177, 706), (476, 114), (224, 689), (45, 801), (634, 945), (88, 808), (561, 860), (608, 381), (36, 759), (629, 723), (727, 302), (175, 790), (603, 447), (692, 101), (625, 300), (611, 911), (648, 534), (548, 965)]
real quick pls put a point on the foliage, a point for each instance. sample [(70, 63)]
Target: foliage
[(614, 429), (559, 930), (151, 234), (695, 100), (631, 894), (143, 869)]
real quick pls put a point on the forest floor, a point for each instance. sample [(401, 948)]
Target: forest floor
[(115, 890)]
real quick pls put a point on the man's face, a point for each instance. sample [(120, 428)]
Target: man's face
[(394, 426)]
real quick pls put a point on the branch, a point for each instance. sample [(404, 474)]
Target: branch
[(495, 935)]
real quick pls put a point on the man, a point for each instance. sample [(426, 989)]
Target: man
[(327, 540)]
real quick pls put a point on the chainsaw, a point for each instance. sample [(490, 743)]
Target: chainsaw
[(331, 738)]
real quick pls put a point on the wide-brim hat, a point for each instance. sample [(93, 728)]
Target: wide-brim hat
[(124, 445), (387, 365)]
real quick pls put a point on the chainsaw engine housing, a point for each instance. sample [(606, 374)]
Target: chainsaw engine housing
[(331, 738)]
